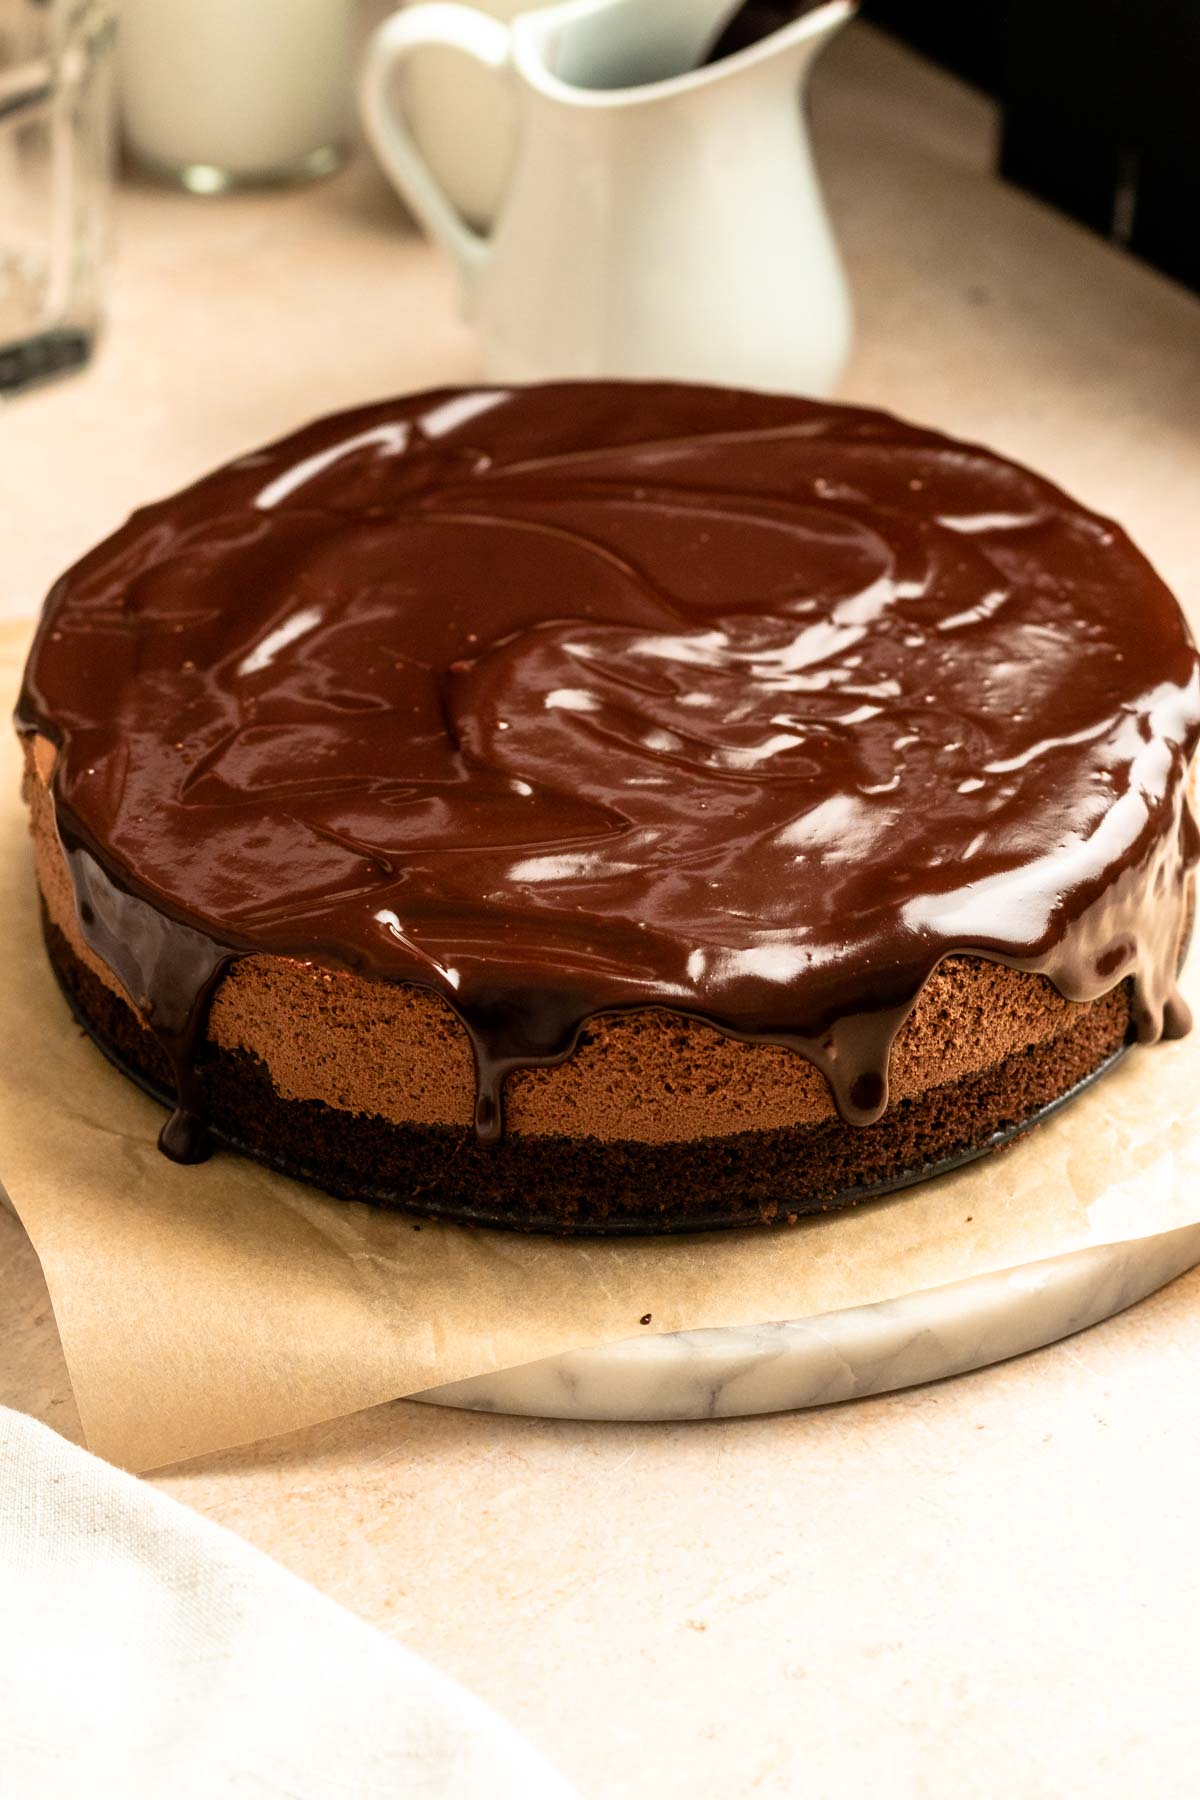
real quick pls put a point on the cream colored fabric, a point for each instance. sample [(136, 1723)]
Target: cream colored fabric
[(146, 1652)]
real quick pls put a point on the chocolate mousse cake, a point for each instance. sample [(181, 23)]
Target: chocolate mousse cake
[(613, 807)]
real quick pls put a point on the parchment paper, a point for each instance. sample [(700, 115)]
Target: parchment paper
[(205, 1307)]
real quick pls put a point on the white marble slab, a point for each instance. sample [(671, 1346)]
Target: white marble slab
[(838, 1355)]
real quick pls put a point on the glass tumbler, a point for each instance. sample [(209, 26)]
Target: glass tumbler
[(224, 94), (56, 143)]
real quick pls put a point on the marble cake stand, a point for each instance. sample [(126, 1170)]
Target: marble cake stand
[(833, 1356)]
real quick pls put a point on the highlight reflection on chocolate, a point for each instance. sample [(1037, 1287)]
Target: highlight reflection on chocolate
[(569, 699)]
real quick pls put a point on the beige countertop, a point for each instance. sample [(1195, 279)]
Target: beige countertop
[(982, 1588)]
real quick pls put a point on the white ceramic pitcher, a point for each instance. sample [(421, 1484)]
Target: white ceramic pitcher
[(662, 219)]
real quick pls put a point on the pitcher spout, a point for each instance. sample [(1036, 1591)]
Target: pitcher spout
[(790, 48), (625, 52)]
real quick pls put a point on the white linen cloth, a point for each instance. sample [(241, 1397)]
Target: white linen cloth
[(145, 1651)]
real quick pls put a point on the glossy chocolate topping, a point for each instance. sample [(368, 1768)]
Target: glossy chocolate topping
[(564, 699)]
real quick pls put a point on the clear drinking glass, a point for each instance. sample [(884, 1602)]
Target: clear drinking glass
[(224, 94), (56, 143)]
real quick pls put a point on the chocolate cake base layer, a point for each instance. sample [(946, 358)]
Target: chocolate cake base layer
[(569, 1185)]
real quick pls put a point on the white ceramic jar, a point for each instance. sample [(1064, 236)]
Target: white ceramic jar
[(662, 218)]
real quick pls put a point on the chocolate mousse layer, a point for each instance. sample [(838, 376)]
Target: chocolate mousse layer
[(613, 806)]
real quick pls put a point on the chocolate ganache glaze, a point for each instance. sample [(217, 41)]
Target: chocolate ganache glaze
[(592, 696)]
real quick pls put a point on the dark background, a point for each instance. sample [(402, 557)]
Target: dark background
[(1100, 103)]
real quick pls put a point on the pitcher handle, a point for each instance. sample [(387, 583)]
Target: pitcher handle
[(460, 28)]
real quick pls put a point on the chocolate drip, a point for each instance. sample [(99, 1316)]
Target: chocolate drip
[(570, 699), (169, 970)]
